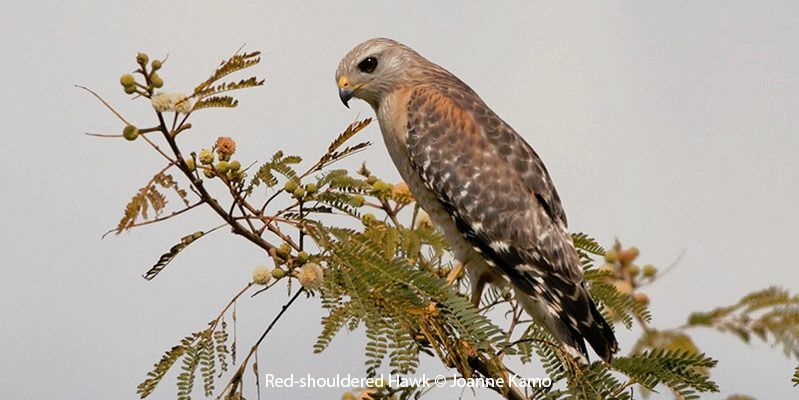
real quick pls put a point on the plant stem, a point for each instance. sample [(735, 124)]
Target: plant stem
[(210, 200)]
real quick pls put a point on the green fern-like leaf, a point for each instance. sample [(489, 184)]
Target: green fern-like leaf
[(227, 87), (147, 199), (771, 314), (681, 371), (537, 340), (166, 181), (331, 324), (340, 181), (237, 62), (341, 201), (587, 247), (596, 382), (334, 154), (376, 344), (472, 326), (185, 382), (222, 352), (404, 355), (155, 376), (348, 133), (216, 102), (381, 285), (623, 306), (207, 363), (279, 163), (166, 258), (588, 244)]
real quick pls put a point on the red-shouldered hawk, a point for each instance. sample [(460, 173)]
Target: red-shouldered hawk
[(482, 184)]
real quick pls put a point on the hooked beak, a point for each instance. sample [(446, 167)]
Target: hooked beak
[(345, 94), (345, 90)]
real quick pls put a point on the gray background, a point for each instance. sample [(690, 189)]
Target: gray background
[(672, 126)]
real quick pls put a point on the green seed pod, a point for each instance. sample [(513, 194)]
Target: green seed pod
[(611, 256), (634, 269), (156, 80), (358, 200), (130, 89), (127, 80), (209, 173), (130, 132), (649, 270), (381, 187), (371, 179), (142, 58), (302, 257), (284, 250), (311, 188), (156, 64), (368, 219), (278, 273), (235, 165), (290, 186), (222, 167), (190, 164), (299, 192)]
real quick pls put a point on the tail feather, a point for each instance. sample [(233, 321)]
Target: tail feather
[(573, 322), (585, 322), (600, 335)]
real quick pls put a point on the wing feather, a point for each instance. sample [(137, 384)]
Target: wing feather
[(489, 177), (499, 194)]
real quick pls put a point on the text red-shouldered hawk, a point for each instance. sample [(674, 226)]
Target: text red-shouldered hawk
[(482, 184)]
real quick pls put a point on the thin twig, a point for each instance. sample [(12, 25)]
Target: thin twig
[(390, 212), (254, 348), (119, 135), (277, 317), (108, 106), (158, 149), (232, 301)]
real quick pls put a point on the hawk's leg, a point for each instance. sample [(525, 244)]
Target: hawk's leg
[(456, 270), (478, 282), (480, 273), (477, 288)]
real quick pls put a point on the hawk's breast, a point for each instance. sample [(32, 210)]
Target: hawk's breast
[(393, 120)]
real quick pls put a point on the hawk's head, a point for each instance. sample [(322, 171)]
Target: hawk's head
[(374, 68)]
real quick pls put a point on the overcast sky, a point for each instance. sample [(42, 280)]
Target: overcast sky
[(672, 126)]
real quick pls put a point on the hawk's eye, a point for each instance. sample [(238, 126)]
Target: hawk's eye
[(368, 65)]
